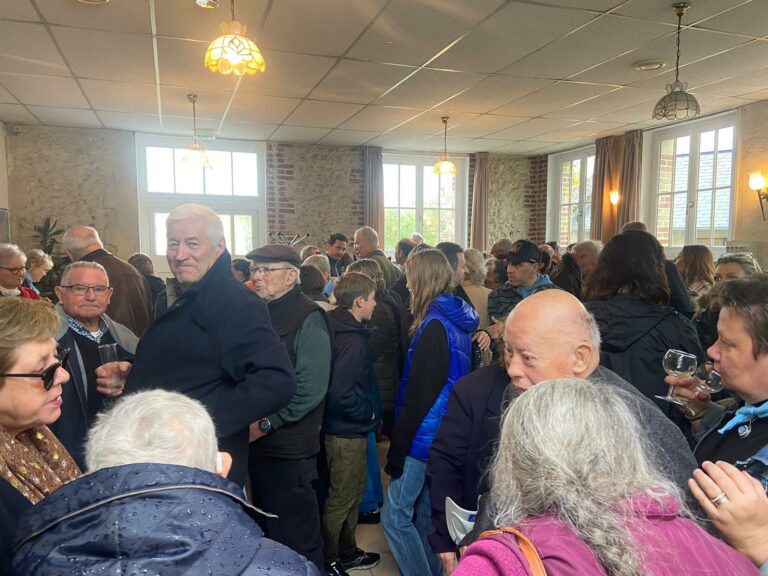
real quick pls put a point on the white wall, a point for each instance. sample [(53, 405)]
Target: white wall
[(3, 169)]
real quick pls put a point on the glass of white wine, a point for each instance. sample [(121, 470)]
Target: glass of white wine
[(710, 377), (680, 365)]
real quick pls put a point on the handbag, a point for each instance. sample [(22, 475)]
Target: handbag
[(535, 564)]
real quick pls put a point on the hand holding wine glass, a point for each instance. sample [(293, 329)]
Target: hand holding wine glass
[(680, 365)]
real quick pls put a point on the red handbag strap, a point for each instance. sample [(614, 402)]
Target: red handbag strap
[(526, 547)]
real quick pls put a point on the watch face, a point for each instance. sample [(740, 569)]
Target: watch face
[(265, 425)]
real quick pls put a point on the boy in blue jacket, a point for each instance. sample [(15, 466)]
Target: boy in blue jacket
[(351, 411)]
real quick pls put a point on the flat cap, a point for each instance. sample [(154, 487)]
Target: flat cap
[(275, 253)]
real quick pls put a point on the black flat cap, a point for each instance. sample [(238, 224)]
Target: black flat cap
[(275, 253)]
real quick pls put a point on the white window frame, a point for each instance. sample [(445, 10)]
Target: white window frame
[(650, 174), (151, 202), (460, 202), (554, 166)]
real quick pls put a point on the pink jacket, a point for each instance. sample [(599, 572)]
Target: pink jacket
[(672, 546)]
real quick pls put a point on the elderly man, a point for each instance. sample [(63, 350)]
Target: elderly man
[(131, 304), (84, 328), (215, 342), (285, 443), (154, 501), (576, 266), (549, 335), (366, 244), (322, 263)]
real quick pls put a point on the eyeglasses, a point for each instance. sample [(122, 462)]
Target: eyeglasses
[(15, 270), (266, 270), (46, 375), (82, 289)]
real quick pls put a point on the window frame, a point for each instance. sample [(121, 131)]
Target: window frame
[(461, 201), (151, 202), (554, 167)]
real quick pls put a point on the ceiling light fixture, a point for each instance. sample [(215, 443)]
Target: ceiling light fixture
[(233, 52), (443, 164), (677, 103), (649, 65), (93, 2), (196, 153), (207, 3)]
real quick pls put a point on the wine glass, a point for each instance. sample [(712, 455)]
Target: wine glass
[(711, 378), (680, 365)]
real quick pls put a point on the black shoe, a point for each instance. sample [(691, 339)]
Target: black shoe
[(335, 569), (369, 517), (362, 560)]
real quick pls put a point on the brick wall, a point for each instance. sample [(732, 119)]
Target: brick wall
[(535, 199)]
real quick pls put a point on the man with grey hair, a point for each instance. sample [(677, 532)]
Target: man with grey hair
[(366, 243), (215, 342), (576, 266), (321, 262), (131, 303), (85, 330), (285, 443), (153, 459), (308, 251), (549, 335)]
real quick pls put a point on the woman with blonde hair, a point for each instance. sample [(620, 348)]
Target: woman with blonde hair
[(439, 354), (38, 265), (473, 285), (697, 267)]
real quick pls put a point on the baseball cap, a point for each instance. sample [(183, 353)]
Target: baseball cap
[(524, 251)]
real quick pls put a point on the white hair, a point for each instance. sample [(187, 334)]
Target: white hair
[(319, 261), (304, 254), (79, 265), (587, 248), (575, 447), (155, 426), (214, 228), (417, 238), (78, 239), (36, 257), (369, 234), (10, 251)]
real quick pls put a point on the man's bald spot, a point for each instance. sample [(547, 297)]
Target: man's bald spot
[(558, 316)]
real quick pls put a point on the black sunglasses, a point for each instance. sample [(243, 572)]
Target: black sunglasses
[(46, 375)]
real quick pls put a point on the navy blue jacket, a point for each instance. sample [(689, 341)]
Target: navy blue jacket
[(149, 519), (12, 505), (216, 344)]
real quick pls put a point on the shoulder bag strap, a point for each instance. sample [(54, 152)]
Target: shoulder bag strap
[(526, 547)]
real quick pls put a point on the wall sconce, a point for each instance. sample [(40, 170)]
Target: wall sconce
[(757, 183), (614, 196)]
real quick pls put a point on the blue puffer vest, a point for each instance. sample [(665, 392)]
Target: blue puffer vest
[(459, 320)]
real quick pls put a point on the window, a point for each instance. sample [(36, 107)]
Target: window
[(418, 200), (693, 183), (570, 196), (233, 186)]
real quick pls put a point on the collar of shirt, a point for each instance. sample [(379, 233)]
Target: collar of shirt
[(78, 328)]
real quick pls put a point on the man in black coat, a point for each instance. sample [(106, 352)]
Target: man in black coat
[(215, 342)]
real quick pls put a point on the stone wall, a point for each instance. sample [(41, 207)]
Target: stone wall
[(508, 213)]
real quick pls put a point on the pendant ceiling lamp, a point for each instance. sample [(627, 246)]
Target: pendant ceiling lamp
[(443, 164), (677, 104), (233, 52), (195, 154)]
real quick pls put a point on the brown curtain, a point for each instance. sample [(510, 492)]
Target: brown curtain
[(374, 188), (629, 203), (478, 238), (604, 179)]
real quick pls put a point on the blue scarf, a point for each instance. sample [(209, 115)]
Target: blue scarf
[(745, 414)]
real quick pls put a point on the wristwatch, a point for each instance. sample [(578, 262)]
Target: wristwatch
[(265, 425)]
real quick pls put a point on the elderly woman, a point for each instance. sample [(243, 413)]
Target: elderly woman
[(38, 265), (474, 284), (573, 476), (13, 264), (32, 461)]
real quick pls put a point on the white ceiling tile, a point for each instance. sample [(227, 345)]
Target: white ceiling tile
[(347, 137), (519, 148), (121, 97), (287, 75), (749, 18), (107, 55), (694, 44), (454, 143), (66, 117), (183, 126), (260, 109), (327, 27), (298, 134), (742, 84), (757, 95), (431, 123), (413, 31), (209, 104), (130, 122), (601, 39), (479, 145), (181, 64), (531, 128), (582, 131), (44, 90), (597, 5), (552, 98), (130, 16), (640, 113), (246, 130), (398, 141), (606, 103), (18, 10), (483, 125), (661, 10), (28, 48), (493, 92), (379, 118), (515, 31), (359, 82), (429, 88), (16, 114), (183, 19), (6, 97), (322, 114)]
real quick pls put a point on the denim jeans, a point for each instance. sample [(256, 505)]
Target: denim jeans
[(407, 521), (374, 493)]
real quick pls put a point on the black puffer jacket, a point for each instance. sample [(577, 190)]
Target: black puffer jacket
[(149, 519), (635, 337), (567, 275), (386, 344)]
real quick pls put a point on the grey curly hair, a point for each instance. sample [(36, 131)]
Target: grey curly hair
[(574, 447)]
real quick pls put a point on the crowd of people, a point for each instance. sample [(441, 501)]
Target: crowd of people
[(228, 420)]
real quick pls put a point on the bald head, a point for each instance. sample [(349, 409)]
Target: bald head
[(550, 335), (81, 240)]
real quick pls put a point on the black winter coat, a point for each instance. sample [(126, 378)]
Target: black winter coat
[(216, 344), (150, 519), (386, 344), (12, 506), (567, 275)]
